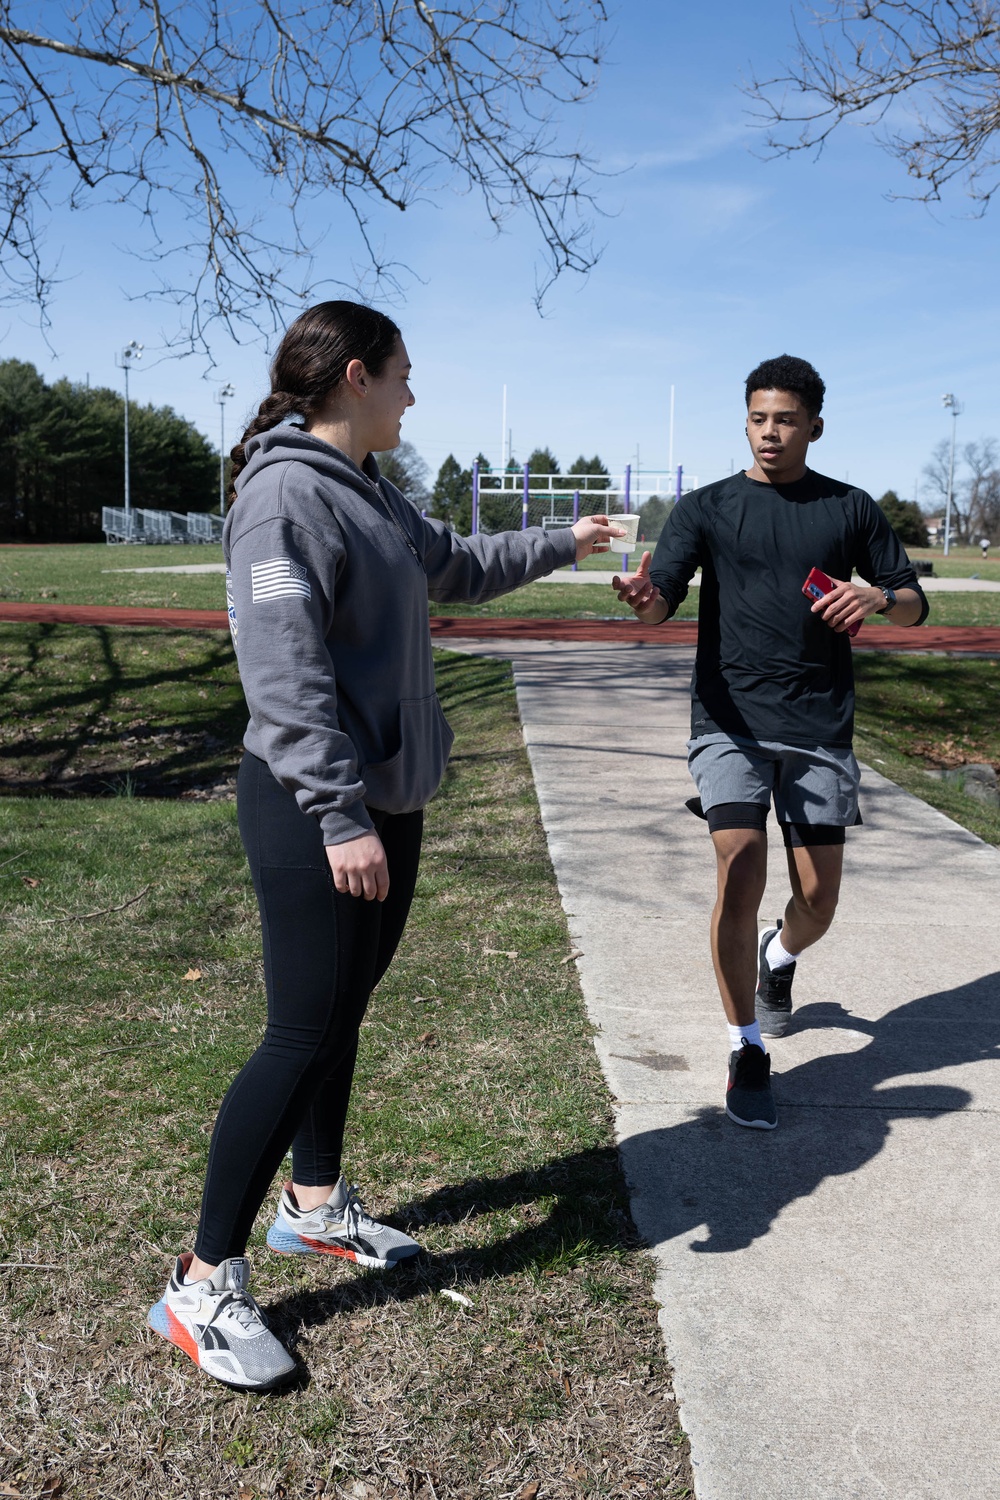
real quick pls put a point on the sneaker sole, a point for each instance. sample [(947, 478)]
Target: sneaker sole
[(286, 1242), (163, 1322), (752, 1124)]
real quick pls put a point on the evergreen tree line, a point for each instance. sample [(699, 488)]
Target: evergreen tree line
[(62, 457)]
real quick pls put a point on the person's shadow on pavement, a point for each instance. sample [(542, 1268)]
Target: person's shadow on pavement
[(835, 1113)]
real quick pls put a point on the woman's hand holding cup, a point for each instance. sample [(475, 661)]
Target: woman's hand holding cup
[(595, 534)]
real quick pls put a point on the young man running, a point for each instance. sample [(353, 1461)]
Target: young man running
[(772, 711)]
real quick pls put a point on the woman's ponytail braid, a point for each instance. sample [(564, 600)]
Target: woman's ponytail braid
[(274, 409), (311, 362)]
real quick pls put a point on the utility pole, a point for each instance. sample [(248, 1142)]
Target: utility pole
[(503, 435), (132, 351), (952, 404), (222, 397), (670, 457)]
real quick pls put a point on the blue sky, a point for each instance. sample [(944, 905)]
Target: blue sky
[(714, 258)]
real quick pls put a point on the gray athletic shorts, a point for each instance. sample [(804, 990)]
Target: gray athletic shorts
[(815, 787)]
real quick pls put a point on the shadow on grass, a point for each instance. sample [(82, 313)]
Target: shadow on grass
[(182, 745), (589, 1219)]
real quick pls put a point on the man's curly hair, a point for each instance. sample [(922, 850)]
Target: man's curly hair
[(786, 373)]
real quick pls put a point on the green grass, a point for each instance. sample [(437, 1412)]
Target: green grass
[(547, 601), (961, 562), (81, 575), (954, 609), (921, 712), (480, 1120)]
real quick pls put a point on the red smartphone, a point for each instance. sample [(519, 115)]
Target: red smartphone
[(817, 585)]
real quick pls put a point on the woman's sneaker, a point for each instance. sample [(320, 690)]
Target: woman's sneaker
[(749, 1100), (339, 1226), (219, 1325), (773, 1001)]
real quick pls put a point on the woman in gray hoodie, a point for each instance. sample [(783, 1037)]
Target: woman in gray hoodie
[(329, 570)]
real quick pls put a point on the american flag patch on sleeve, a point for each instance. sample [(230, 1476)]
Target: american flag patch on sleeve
[(279, 578)]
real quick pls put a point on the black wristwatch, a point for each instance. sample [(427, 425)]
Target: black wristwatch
[(890, 600)]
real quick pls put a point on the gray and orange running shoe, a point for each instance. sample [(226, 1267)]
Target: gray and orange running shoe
[(219, 1325), (340, 1226)]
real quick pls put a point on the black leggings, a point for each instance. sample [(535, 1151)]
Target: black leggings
[(323, 955)]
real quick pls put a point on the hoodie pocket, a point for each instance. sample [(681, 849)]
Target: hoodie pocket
[(410, 778)]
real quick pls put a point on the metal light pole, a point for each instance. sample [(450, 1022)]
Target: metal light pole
[(952, 404), (222, 397), (670, 454), (131, 351), (503, 435)]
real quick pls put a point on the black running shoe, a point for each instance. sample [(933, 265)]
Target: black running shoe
[(773, 1001), (749, 1100)]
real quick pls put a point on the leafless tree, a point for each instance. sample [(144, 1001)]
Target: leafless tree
[(983, 489), (926, 71), (220, 124), (976, 501), (936, 472)]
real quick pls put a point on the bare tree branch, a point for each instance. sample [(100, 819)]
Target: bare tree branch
[(925, 75), (221, 127)]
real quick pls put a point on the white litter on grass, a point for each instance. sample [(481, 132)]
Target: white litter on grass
[(457, 1297)]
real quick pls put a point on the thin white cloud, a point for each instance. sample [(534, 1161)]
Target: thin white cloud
[(680, 152)]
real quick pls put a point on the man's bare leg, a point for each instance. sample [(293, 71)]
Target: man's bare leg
[(741, 858), (815, 876)]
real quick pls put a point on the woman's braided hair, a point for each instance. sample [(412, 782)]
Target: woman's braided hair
[(311, 361)]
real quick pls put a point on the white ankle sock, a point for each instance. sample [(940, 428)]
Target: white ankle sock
[(739, 1034), (777, 954)]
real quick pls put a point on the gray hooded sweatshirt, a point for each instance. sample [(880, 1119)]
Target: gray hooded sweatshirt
[(329, 570)]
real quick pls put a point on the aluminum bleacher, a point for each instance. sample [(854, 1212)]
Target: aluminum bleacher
[(158, 526)]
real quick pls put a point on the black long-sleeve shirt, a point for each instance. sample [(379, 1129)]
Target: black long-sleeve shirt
[(767, 668)]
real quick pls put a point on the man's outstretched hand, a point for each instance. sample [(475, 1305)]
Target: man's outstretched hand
[(638, 591)]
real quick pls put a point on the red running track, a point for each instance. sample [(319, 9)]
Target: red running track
[(983, 641)]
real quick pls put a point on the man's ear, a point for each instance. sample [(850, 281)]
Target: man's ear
[(817, 430)]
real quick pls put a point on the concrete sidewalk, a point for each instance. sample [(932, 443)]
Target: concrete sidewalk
[(830, 1290)]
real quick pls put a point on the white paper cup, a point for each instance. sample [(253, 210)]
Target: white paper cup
[(629, 541)]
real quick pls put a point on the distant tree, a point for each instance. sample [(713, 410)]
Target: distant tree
[(590, 466), (451, 497), (982, 490), (543, 461), (404, 468), (975, 508), (906, 519), (497, 513), (936, 474), (653, 517), (62, 457)]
